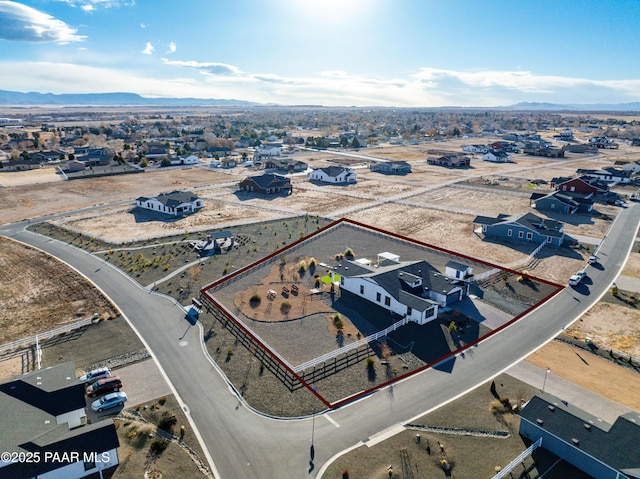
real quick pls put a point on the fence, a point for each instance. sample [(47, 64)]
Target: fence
[(350, 347), (512, 265), (46, 335), (518, 460)]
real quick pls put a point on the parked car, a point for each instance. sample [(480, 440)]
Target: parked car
[(593, 259), (95, 374), (104, 385), (577, 278), (109, 401)]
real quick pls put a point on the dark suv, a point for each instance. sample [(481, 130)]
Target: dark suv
[(104, 385)]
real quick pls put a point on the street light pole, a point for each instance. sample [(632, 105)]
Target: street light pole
[(545, 378)]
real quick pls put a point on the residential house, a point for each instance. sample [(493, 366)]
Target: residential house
[(268, 183), (43, 412), (547, 151), (414, 289), (391, 167), (268, 150), (333, 175), (584, 185), (556, 202), (609, 174), (565, 135), (285, 165), (75, 165), (524, 227), (173, 203), (218, 151), (497, 156), (475, 149), (599, 449), (157, 151), (504, 146), (632, 166), (450, 161), (228, 162), (186, 159), (603, 142)]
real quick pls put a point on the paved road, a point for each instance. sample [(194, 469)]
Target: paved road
[(244, 444)]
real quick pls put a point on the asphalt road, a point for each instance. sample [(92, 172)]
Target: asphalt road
[(245, 444)]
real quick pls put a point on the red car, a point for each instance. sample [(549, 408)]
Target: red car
[(104, 385)]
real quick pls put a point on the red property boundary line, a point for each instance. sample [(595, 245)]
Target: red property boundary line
[(205, 292)]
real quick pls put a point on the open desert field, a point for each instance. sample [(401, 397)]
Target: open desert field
[(484, 202), (632, 268), (20, 178), (39, 293), (35, 200), (621, 330), (371, 186)]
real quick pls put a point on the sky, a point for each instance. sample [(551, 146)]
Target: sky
[(402, 53)]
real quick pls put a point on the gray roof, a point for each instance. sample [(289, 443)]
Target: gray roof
[(333, 170), (530, 221), (30, 404), (269, 180), (389, 278), (616, 445), (173, 199)]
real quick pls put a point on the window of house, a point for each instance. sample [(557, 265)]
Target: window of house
[(484, 228), (89, 465), (387, 301), (548, 239), (378, 297), (342, 280), (520, 234), (361, 289), (409, 310), (509, 232), (573, 188), (529, 236)]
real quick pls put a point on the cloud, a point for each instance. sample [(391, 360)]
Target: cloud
[(90, 5), (172, 47), (148, 49), (212, 68), (21, 23)]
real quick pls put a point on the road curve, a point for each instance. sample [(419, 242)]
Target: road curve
[(244, 444)]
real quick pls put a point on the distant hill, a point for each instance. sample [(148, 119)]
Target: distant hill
[(109, 99), (534, 106)]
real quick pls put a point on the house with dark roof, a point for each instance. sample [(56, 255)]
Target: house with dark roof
[(266, 184), (43, 416), (450, 161), (333, 174), (609, 175), (602, 450), (556, 202), (497, 156), (414, 289), (523, 227), (391, 167), (584, 185), (173, 203), (285, 165)]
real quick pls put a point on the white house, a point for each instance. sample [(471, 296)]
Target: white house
[(333, 174), (497, 156), (43, 412), (414, 289), (185, 160), (268, 149), (173, 203), (475, 148)]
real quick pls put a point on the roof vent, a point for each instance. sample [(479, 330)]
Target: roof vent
[(540, 422), (587, 426), (575, 441), (552, 408)]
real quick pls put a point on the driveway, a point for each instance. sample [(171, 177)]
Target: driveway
[(143, 382), (482, 312)]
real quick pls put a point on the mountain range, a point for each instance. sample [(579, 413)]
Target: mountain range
[(133, 99), (108, 99)]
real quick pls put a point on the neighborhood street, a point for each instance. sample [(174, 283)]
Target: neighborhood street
[(245, 444)]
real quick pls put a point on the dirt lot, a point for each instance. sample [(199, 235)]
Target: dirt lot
[(35, 200), (39, 293), (19, 178), (621, 330), (632, 268)]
